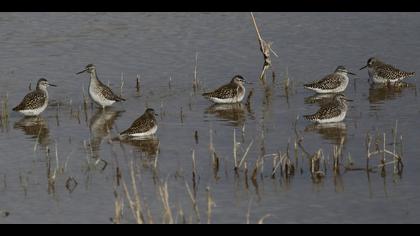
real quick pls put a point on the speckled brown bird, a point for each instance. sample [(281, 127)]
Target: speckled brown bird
[(34, 103), (232, 92), (144, 126), (333, 83), (98, 91), (381, 72)]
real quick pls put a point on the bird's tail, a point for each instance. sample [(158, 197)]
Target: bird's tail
[(308, 86), (120, 99), (309, 117)]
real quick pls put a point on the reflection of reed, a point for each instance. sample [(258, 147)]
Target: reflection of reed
[(100, 125), (36, 128), (382, 92), (147, 146), (329, 131), (235, 113)]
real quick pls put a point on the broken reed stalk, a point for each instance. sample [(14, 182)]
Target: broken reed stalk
[(119, 208), (337, 155), (397, 157), (194, 202), (135, 205), (210, 205), (122, 84), (5, 111), (245, 154), (248, 213), (234, 151), (287, 82), (264, 46), (261, 221), (164, 196), (195, 81), (194, 172), (138, 83), (215, 159)]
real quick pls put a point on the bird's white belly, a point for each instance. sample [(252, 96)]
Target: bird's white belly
[(334, 119), (145, 134), (228, 100), (101, 100), (339, 89), (35, 112)]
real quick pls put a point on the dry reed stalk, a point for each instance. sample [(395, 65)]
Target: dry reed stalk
[(164, 196), (138, 83), (210, 205), (194, 202), (135, 205)]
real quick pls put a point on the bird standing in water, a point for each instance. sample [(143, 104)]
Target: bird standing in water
[(232, 92), (144, 126), (98, 91), (34, 103), (382, 73)]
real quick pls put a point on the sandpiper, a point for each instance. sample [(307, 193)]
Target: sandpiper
[(334, 111), (144, 126), (232, 92), (332, 83), (381, 72), (34, 103), (98, 91)]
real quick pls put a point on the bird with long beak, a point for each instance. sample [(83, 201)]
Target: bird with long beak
[(98, 91), (381, 73), (333, 83)]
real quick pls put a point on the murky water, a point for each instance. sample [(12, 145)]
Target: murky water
[(161, 49)]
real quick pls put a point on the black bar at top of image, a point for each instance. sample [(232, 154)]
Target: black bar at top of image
[(213, 5)]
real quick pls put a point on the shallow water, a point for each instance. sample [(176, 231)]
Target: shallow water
[(160, 46)]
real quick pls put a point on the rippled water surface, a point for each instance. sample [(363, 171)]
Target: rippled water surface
[(42, 159)]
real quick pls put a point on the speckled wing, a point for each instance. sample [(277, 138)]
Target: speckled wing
[(32, 100), (331, 81), (325, 112), (141, 125), (226, 91), (392, 73), (108, 94)]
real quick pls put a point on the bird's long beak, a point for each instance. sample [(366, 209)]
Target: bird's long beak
[(156, 114), (53, 85), (246, 82), (363, 67), (81, 71), (351, 73), (349, 100)]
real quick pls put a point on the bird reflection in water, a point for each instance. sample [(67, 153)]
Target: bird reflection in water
[(147, 146), (382, 92), (234, 113), (36, 127), (320, 99), (100, 125), (332, 132)]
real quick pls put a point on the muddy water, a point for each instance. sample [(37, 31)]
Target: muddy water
[(161, 49)]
